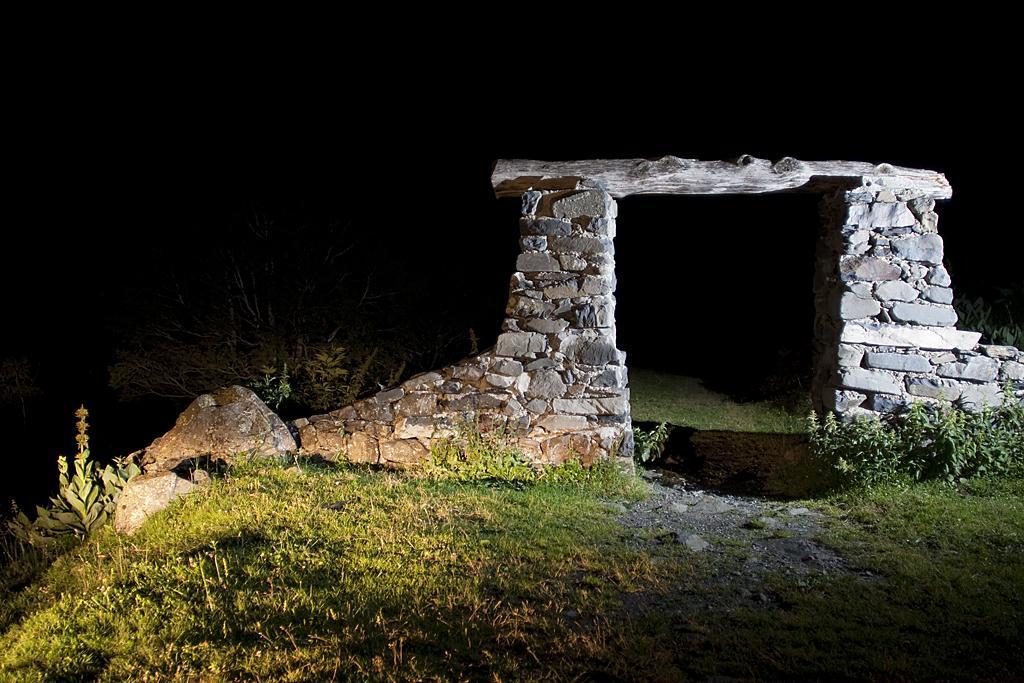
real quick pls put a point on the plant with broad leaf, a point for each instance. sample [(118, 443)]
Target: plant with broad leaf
[(86, 497)]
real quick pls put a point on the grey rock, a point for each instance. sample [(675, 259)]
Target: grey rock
[(933, 338), (941, 389), (940, 295), (596, 285), (850, 356), (869, 380), (563, 423), (861, 289), (1012, 370), (611, 377), (519, 344), (424, 380), (844, 400), (531, 200), (536, 261), (500, 381), (545, 384), (221, 425), (418, 404), (594, 315), (148, 494), (390, 396), (528, 308), (924, 248), (903, 362), (372, 410), (507, 366), (939, 276), (930, 222), (538, 407), (469, 373), (896, 290), (879, 215), (581, 245), (414, 427), (852, 306), (979, 368), (592, 203), (1001, 352), (533, 243), (885, 403), (402, 452), (596, 353), (567, 290), (572, 262), (867, 268), (923, 314), (542, 363), (976, 396), (591, 406), (602, 226), (362, 448), (546, 226), (921, 205), (545, 326)]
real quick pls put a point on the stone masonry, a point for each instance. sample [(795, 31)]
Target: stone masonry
[(885, 329), (555, 376), (885, 326)]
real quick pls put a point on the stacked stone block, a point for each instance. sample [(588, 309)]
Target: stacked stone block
[(885, 326), (555, 377)]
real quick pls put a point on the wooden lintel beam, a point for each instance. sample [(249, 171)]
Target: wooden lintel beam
[(745, 175)]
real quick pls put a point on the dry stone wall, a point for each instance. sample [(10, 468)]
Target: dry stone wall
[(555, 376), (886, 331), (885, 328)]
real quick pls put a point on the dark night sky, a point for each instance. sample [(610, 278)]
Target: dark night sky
[(105, 181)]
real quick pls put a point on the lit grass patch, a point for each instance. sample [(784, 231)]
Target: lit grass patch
[(685, 402)]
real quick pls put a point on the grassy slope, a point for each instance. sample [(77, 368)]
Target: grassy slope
[(256, 579), (684, 401)]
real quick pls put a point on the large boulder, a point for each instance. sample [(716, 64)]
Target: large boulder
[(148, 494), (220, 426)]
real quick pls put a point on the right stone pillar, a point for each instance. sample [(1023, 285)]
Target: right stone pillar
[(885, 327)]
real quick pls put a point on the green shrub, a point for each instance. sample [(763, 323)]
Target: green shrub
[(86, 498), (472, 454), (925, 442), (649, 445)]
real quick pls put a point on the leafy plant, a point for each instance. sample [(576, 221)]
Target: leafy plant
[(86, 497), (275, 388), (925, 442), (649, 444), (471, 454)]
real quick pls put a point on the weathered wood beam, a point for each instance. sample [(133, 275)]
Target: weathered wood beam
[(745, 175)]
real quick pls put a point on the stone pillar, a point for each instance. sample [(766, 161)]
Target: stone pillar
[(560, 325), (555, 377), (885, 327)]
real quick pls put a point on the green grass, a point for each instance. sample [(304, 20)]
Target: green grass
[(255, 579), (684, 401)]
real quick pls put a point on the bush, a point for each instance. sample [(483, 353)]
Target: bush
[(649, 445), (925, 442)]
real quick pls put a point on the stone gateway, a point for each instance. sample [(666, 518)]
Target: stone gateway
[(885, 330)]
